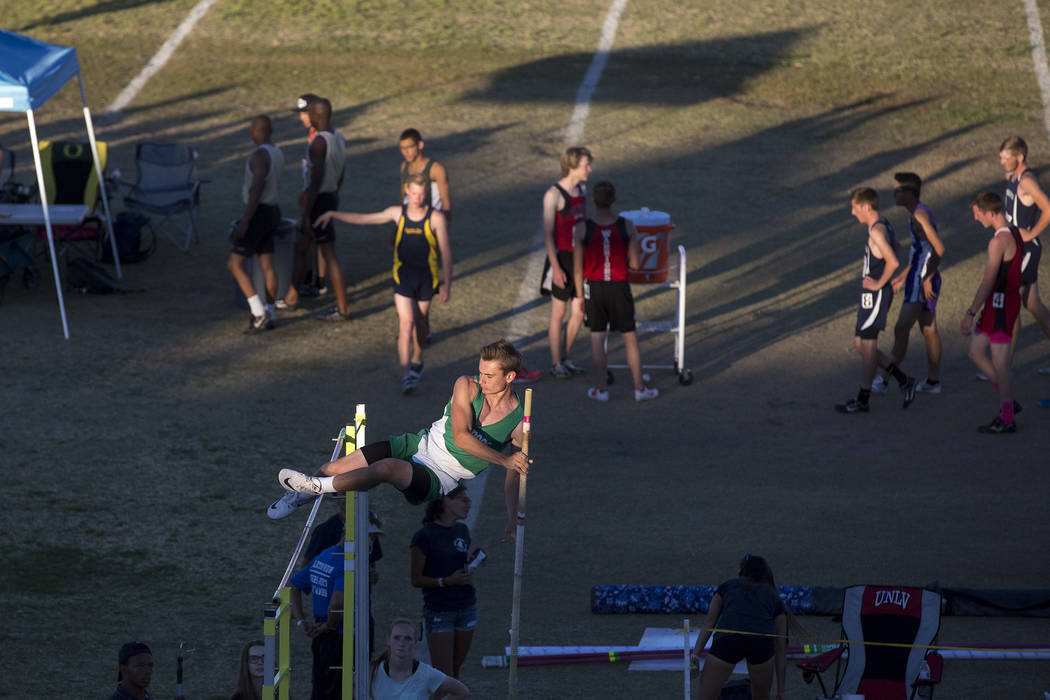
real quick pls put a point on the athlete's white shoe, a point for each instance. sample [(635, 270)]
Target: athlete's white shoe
[(928, 388), (297, 481), (982, 377), (878, 385), (647, 394), (288, 504)]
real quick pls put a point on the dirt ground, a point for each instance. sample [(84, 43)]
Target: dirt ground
[(141, 454)]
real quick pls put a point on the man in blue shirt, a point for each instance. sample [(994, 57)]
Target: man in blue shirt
[(323, 580)]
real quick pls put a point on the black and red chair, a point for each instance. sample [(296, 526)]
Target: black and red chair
[(888, 630)]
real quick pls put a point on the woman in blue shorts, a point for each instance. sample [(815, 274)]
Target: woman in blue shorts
[(439, 566), (751, 604)]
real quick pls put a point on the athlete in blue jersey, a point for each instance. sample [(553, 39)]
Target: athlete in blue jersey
[(1027, 207), (421, 240), (921, 282), (880, 262)]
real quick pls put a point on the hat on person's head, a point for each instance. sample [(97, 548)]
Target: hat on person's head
[(129, 650), (304, 101)]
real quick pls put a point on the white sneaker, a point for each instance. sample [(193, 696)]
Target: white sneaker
[(925, 386), (878, 385), (292, 480), (598, 394), (288, 504), (981, 376), (646, 394)]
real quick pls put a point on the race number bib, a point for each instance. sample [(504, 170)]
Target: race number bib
[(998, 300), (867, 300)]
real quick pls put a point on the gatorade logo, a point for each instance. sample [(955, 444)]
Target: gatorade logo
[(650, 251)]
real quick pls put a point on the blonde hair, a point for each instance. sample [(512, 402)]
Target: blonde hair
[(570, 160)]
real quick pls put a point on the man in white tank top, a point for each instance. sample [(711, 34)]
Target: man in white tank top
[(327, 158), (253, 233)]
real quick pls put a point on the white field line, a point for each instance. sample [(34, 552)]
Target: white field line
[(160, 58), (529, 287), (1042, 75)]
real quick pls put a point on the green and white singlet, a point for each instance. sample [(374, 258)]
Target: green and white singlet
[(438, 451)]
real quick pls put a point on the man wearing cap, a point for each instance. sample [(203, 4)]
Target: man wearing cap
[(327, 158), (134, 672), (253, 234), (302, 106)]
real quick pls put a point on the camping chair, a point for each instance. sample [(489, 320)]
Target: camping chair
[(70, 178), (890, 615), (166, 187)]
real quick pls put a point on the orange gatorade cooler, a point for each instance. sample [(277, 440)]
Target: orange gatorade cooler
[(654, 239)]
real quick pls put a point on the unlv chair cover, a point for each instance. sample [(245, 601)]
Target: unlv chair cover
[(166, 187), (910, 617)]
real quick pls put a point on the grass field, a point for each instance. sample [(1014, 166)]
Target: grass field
[(140, 455)]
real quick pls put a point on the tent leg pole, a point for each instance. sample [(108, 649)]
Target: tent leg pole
[(47, 220)]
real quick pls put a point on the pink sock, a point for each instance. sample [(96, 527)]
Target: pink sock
[(1006, 411)]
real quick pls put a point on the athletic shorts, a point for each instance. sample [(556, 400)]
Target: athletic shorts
[(567, 292), (464, 619), (997, 318), (997, 337), (426, 484), (258, 239), (914, 294), (326, 201), (1033, 250), (415, 283), (608, 306), (872, 311), (734, 648)]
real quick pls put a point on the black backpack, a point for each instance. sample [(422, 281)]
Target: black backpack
[(128, 229)]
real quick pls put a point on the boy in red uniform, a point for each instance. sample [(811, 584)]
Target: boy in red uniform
[(563, 208), (603, 246), (1000, 296)]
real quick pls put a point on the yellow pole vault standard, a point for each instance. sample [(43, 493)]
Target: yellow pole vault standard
[(349, 564), (277, 624), (519, 554), (355, 585)]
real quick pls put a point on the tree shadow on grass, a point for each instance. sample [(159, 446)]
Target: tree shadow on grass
[(101, 8), (702, 69)]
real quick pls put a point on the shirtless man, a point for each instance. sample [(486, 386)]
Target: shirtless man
[(483, 417)]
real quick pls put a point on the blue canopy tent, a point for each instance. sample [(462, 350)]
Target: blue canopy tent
[(31, 71)]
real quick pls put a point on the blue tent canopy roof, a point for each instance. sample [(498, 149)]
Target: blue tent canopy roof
[(31, 71)]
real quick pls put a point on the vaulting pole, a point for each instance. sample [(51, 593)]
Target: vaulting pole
[(519, 554)]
